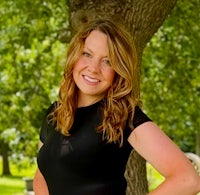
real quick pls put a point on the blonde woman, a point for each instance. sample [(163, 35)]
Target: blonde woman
[(88, 134)]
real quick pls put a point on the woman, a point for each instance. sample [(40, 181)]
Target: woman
[(89, 132)]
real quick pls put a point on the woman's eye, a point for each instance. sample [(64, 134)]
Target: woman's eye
[(86, 54), (106, 61)]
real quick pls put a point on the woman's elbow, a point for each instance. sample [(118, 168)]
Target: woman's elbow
[(193, 183), (198, 184)]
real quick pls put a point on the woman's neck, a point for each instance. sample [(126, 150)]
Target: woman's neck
[(83, 102)]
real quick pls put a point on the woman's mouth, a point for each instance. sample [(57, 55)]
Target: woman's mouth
[(91, 80)]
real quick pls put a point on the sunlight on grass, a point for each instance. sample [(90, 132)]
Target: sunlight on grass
[(154, 177), (15, 184), (11, 185)]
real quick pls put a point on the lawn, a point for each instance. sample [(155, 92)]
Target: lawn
[(153, 177), (11, 185), (15, 184)]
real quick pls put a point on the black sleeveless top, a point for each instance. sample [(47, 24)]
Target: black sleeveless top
[(84, 164)]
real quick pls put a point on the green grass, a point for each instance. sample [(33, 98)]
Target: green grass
[(11, 185), (154, 178), (15, 184)]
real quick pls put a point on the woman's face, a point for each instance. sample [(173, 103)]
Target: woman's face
[(93, 73)]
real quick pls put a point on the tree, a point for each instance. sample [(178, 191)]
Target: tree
[(34, 35), (30, 52), (171, 65), (142, 19)]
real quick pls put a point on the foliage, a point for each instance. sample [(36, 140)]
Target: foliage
[(30, 50), (170, 75)]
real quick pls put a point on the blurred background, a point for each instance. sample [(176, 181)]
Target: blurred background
[(33, 41)]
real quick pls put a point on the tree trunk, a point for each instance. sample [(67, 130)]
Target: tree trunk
[(142, 18), (4, 153), (136, 175)]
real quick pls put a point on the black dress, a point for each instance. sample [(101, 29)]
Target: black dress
[(84, 164)]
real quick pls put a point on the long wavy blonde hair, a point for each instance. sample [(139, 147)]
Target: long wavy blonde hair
[(121, 98)]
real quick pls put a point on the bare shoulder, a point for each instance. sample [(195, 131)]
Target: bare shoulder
[(158, 149), (148, 132)]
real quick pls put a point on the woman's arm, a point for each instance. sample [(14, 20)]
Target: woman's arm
[(39, 183), (155, 146)]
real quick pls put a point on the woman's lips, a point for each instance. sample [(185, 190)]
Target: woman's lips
[(90, 79)]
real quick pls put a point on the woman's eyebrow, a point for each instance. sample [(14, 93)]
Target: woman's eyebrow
[(90, 50)]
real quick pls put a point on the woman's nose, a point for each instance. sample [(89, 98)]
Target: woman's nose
[(94, 66)]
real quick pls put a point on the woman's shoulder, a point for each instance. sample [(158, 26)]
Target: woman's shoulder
[(140, 117)]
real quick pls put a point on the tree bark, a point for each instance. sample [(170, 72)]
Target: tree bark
[(142, 18), (5, 161), (136, 175)]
